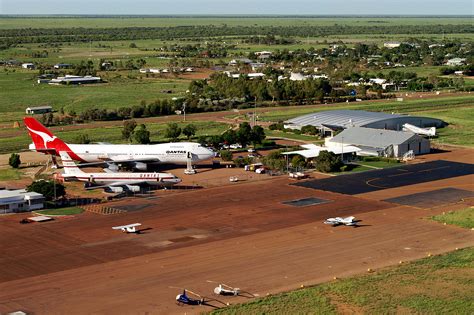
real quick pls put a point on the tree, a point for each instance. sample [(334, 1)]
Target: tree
[(243, 134), (128, 128), (298, 161), (173, 131), (257, 135), (46, 188), (226, 155), (14, 160), (230, 136), (142, 135), (328, 162), (189, 131)]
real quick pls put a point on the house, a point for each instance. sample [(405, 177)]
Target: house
[(391, 45), (28, 65), (75, 80), (39, 110), (12, 201), (456, 62), (62, 66)]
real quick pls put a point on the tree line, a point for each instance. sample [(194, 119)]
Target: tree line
[(12, 37)]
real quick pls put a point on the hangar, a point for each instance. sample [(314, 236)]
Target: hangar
[(379, 142), (329, 121)]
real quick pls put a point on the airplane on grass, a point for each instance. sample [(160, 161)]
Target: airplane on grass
[(136, 155), (115, 182), (129, 228), (350, 221)]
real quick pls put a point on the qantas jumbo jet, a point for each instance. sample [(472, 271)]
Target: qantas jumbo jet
[(138, 155)]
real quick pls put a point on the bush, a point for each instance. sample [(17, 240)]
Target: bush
[(328, 162), (226, 155), (14, 160)]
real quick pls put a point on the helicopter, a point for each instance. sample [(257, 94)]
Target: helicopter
[(185, 299)]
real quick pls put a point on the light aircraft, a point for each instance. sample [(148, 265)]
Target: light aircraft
[(129, 228), (136, 155), (224, 289), (350, 221), (115, 182)]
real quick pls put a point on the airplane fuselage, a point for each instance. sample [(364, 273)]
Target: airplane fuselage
[(176, 153), (156, 179)]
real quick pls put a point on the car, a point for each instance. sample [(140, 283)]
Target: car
[(252, 155), (236, 146), (251, 150)]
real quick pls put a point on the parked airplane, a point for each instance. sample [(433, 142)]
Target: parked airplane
[(115, 182), (129, 228), (138, 155), (341, 221)]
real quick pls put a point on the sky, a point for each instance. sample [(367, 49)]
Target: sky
[(284, 7)]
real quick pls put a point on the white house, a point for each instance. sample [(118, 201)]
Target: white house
[(28, 65), (20, 201)]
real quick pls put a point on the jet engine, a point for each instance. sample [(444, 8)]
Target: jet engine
[(140, 166), (116, 190), (133, 188)]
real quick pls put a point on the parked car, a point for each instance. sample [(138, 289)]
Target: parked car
[(236, 146)]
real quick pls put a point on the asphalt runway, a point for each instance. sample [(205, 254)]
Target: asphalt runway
[(433, 198), (405, 175)]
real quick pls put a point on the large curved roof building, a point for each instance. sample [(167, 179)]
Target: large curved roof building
[(342, 119)]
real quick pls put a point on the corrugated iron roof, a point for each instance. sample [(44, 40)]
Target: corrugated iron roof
[(375, 138), (345, 118)]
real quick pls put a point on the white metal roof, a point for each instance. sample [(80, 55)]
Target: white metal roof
[(374, 138), (344, 118)]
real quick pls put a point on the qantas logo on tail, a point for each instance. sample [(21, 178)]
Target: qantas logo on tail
[(46, 138)]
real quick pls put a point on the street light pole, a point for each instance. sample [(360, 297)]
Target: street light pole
[(342, 150), (184, 111)]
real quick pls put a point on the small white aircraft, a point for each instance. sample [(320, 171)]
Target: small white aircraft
[(350, 221), (129, 228), (224, 289), (115, 182)]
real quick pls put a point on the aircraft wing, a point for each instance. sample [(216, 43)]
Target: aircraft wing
[(115, 184)]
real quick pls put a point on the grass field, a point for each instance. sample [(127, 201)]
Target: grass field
[(20, 91), (62, 211), (436, 285), (463, 218), (9, 174), (112, 134), (111, 22)]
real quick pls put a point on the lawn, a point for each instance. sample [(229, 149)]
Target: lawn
[(463, 218), (7, 174), (435, 285), (61, 211), (20, 90)]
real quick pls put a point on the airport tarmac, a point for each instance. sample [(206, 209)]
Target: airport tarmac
[(263, 236)]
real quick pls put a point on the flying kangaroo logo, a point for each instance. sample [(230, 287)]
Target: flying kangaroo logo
[(46, 138)]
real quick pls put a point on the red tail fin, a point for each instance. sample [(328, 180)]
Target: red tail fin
[(43, 139)]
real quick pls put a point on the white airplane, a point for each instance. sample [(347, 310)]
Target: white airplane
[(138, 155), (115, 182), (129, 228), (341, 221)]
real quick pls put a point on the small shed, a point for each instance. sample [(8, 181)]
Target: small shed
[(39, 110)]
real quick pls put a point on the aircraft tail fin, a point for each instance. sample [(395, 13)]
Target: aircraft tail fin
[(42, 138), (70, 167)]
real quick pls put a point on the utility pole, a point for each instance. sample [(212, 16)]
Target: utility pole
[(255, 112), (342, 150), (184, 111)]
